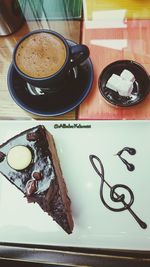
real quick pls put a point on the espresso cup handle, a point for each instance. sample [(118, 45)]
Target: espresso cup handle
[(79, 54)]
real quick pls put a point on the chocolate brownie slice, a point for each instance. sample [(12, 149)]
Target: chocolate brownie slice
[(29, 160)]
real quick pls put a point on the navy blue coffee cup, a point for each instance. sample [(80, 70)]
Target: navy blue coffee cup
[(74, 56)]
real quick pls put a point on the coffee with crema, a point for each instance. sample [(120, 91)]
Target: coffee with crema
[(40, 55)]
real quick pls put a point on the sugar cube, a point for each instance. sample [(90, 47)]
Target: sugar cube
[(127, 75), (114, 82), (125, 88)]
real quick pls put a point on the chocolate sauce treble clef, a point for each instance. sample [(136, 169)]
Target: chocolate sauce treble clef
[(114, 196)]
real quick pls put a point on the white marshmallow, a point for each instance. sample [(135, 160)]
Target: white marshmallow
[(19, 157), (114, 82), (127, 75)]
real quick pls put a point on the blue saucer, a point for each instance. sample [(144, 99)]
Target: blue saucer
[(76, 89)]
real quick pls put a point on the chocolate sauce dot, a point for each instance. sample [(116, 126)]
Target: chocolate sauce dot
[(130, 150), (130, 167)]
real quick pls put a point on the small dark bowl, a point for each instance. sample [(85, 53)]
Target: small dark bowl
[(140, 89)]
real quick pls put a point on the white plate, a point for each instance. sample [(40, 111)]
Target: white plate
[(95, 225)]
